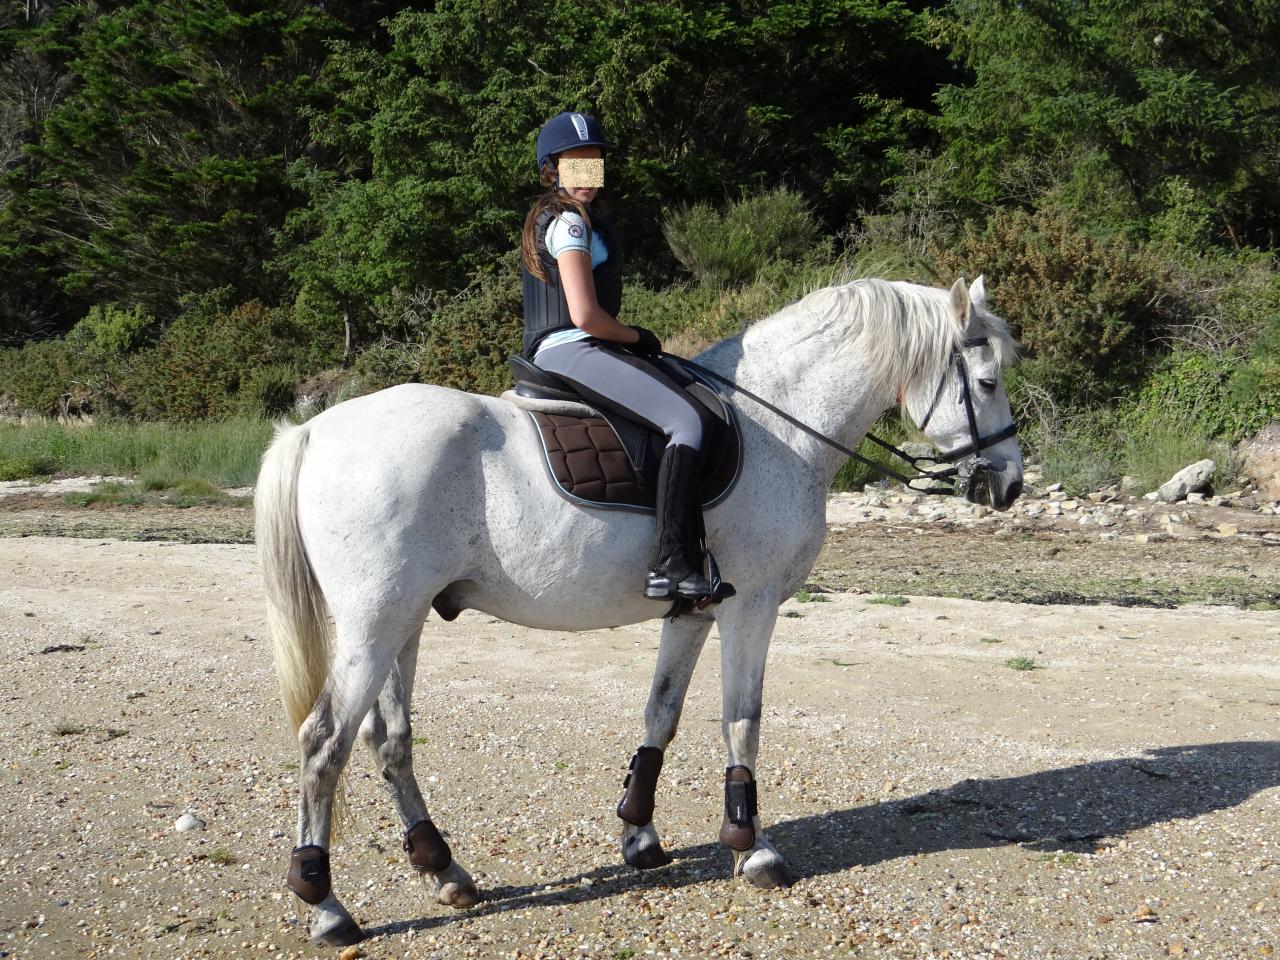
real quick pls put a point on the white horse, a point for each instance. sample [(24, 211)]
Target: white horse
[(383, 506)]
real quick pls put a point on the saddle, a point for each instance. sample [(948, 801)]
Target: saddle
[(599, 458)]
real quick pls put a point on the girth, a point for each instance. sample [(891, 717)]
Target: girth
[(600, 458)]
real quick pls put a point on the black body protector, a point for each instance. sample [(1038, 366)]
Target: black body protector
[(545, 308)]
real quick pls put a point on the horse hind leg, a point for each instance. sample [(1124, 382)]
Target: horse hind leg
[(326, 738), (387, 732)]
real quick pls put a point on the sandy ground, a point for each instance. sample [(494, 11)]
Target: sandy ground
[(1120, 800)]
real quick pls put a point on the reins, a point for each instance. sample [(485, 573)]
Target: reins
[(946, 476)]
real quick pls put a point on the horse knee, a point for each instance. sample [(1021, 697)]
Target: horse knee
[(395, 751)]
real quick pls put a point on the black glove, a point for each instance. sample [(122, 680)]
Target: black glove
[(648, 343)]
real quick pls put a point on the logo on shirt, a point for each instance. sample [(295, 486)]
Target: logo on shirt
[(579, 124), (575, 230)]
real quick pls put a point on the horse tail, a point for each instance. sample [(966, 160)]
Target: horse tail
[(297, 615)]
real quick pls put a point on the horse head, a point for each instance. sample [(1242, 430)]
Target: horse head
[(965, 414)]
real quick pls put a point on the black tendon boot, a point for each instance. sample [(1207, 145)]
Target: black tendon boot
[(676, 569)]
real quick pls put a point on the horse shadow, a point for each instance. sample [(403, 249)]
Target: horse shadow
[(1074, 808)]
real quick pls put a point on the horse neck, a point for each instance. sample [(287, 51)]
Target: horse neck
[(831, 390)]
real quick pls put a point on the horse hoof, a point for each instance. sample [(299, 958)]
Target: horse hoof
[(343, 935), (643, 850), (767, 871), (459, 895)]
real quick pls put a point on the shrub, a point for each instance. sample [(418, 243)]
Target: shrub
[(730, 246), (1215, 395), (268, 392), (111, 329), (197, 368), (1079, 304)]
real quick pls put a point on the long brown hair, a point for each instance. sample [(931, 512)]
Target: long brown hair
[(554, 199)]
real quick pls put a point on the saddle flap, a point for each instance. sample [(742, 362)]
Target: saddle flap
[(605, 459)]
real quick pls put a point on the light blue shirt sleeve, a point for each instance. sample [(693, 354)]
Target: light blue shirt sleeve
[(568, 232)]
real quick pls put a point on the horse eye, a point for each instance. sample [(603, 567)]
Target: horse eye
[(987, 385)]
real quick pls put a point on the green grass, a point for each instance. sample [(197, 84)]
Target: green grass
[(224, 453), (68, 728), (106, 494), (222, 857), (1065, 859), (1022, 663), (804, 596), (891, 600)]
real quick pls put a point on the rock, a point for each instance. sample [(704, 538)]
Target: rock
[(1053, 488), (1196, 497), (351, 953), (914, 448), (1260, 459), (1228, 529), (1194, 477), (188, 821)]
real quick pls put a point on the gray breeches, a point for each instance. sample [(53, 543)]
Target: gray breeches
[(627, 384)]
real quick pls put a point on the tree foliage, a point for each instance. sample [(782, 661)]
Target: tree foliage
[(1119, 106)]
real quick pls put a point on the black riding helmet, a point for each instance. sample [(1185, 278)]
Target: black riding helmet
[(567, 130)]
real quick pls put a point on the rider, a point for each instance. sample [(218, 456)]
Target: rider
[(572, 267)]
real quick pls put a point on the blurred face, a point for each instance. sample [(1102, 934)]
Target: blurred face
[(581, 194)]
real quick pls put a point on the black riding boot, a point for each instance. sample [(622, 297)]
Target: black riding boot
[(676, 569)]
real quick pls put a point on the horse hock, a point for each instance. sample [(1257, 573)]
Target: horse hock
[(428, 852), (737, 830)]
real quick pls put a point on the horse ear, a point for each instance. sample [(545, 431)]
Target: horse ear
[(960, 303), (978, 292)]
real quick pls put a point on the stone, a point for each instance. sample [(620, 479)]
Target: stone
[(1194, 477), (1228, 529), (188, 821), (1053, 488), (1260, 459)]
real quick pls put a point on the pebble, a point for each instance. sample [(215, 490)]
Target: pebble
[(188, 821)]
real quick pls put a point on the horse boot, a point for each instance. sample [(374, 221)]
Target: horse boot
[(673, 572)]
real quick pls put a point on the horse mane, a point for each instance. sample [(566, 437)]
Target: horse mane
[(903, 331)]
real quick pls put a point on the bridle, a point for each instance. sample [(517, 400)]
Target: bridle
[(961, 461), (978, 442)]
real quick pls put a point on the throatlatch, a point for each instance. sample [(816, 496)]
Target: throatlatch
[(738, 831), (428, 852), (309, 873), (636, 805)]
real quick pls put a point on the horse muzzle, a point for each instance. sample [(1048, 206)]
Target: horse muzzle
[(982, 483)]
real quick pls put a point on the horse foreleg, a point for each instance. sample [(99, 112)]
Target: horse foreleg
[(678, 652), (745, 629), (326, 738), (387, 732)]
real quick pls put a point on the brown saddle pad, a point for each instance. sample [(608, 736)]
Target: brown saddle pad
[(588, 463)]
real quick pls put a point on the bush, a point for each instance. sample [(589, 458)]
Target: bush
[(730, 246), (268, 392), (1216, 395), (112, 330), (198, 367), (1080, 305)]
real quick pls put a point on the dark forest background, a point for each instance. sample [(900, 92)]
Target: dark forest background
[(212, 208)]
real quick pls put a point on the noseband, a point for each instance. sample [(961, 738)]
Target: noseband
[(943, 482)]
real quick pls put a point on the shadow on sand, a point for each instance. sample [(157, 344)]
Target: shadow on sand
[(1072, 808)]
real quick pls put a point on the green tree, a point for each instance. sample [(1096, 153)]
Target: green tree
[(162, 172), (1119, 106), (428, 164)]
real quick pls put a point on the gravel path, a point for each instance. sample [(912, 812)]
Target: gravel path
[(1122, 799)]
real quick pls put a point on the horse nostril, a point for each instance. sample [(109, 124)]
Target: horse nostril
[(1014, 491)]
